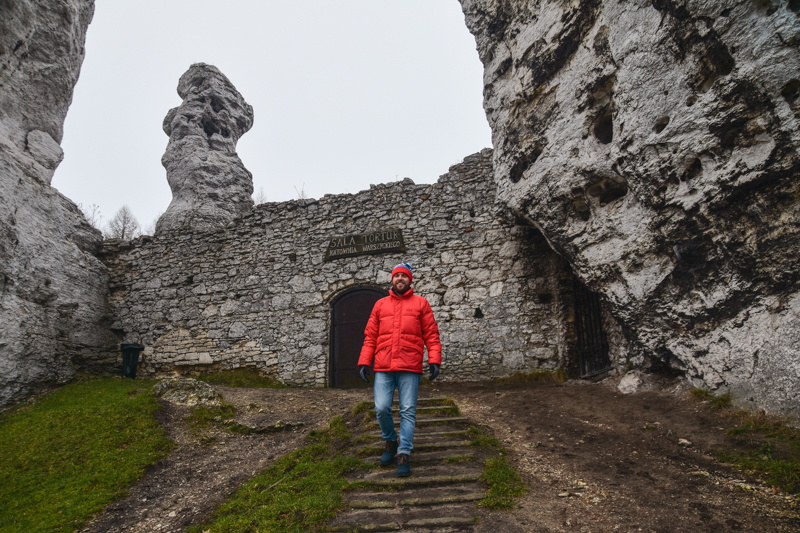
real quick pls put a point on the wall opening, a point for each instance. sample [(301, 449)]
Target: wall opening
[(349, 315), (591, 341)]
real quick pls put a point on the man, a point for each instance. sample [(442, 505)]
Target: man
[(399, 326)]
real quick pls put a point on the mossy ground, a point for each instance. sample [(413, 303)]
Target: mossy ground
[(69, 453)]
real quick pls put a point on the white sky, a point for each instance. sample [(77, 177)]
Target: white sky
[(344, 93)]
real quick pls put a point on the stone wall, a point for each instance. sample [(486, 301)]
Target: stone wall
[(258, 292), (53, 290)]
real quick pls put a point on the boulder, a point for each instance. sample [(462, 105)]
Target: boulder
[(53, 289), (186, 391), (654, 143), (210, 185)]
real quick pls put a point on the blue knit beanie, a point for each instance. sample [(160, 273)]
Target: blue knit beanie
[(405, 268)]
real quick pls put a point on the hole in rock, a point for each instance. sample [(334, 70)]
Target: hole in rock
[(478, 312), (660, 124), (545, 298), (216, 104), (791, 90), (429, 245), (209, 127), (582, 208), (691, 101), (794, 5), (613, 191), (694, 170), (524, 163), (725, 12), (604, 126), (472, 213)]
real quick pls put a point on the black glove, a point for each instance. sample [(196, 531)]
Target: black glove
[(362, 370), (434, 371)]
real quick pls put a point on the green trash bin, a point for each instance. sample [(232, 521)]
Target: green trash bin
[(130, 358)]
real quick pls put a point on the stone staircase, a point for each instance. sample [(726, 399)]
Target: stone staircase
[(444, 487)]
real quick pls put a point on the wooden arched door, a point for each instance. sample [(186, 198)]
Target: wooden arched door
[(349, 315)]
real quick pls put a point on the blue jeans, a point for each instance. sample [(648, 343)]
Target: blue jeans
[(408, 385)]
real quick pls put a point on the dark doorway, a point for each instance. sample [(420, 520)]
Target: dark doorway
[(349, 315), (592, 344)]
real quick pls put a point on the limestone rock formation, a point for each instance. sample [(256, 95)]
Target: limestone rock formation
[(210, 186), (53, 290), (187, 391), (654, 143)]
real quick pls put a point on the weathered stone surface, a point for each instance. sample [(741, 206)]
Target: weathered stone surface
[(210, 186), (53, 290), (654, 143), (258, 293), (186, 391)]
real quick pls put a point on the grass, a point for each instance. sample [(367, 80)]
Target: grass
[(203, 416), (717, 402), (482, 440), (773, 448), (69, 453), (242, 377), (541, 376), (298, 493), (363, 407), (504, 484)]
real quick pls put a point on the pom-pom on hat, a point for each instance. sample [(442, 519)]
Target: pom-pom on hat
[(404, 268)]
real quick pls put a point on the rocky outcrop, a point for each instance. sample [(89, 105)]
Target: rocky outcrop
[(53, 290), (654, 143), (210, 186)]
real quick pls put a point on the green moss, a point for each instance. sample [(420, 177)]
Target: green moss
[(363, 407), (298, 493), (774, 448), (73, 451), (482, 440), (505, 485), (203, 416), (242, 377)]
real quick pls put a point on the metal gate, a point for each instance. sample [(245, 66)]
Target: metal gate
[(349, 315), (592, 344)]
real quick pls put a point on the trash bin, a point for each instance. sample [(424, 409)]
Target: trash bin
[(130, 358)]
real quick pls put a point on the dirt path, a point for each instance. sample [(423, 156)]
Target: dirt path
[(594, 460)]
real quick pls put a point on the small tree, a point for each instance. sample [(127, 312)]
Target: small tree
[(92, 214), (123, 225), (260, 197)]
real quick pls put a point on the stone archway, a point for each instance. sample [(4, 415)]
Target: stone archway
[(349, 315)]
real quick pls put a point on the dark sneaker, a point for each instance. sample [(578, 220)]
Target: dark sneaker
[(403, 468), (388, 455)]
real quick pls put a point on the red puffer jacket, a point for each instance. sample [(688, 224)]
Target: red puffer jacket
[(396, 331)]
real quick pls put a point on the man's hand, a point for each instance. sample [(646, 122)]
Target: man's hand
[(434, 371), (362, 371)]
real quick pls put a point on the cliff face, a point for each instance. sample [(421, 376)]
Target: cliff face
[(210, 186), (53, 290), (654, 143)]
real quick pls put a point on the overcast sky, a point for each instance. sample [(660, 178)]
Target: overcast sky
[(345, 94)]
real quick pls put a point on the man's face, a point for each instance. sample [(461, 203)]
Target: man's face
[(400, 282)]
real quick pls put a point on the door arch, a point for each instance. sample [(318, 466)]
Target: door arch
[(349, 315)]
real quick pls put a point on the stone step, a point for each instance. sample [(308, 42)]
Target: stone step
[(383, 519), (419, 481), (431, 409), (433, 420), (427, 458), (395, 501), (418, 446), (423, 433)]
